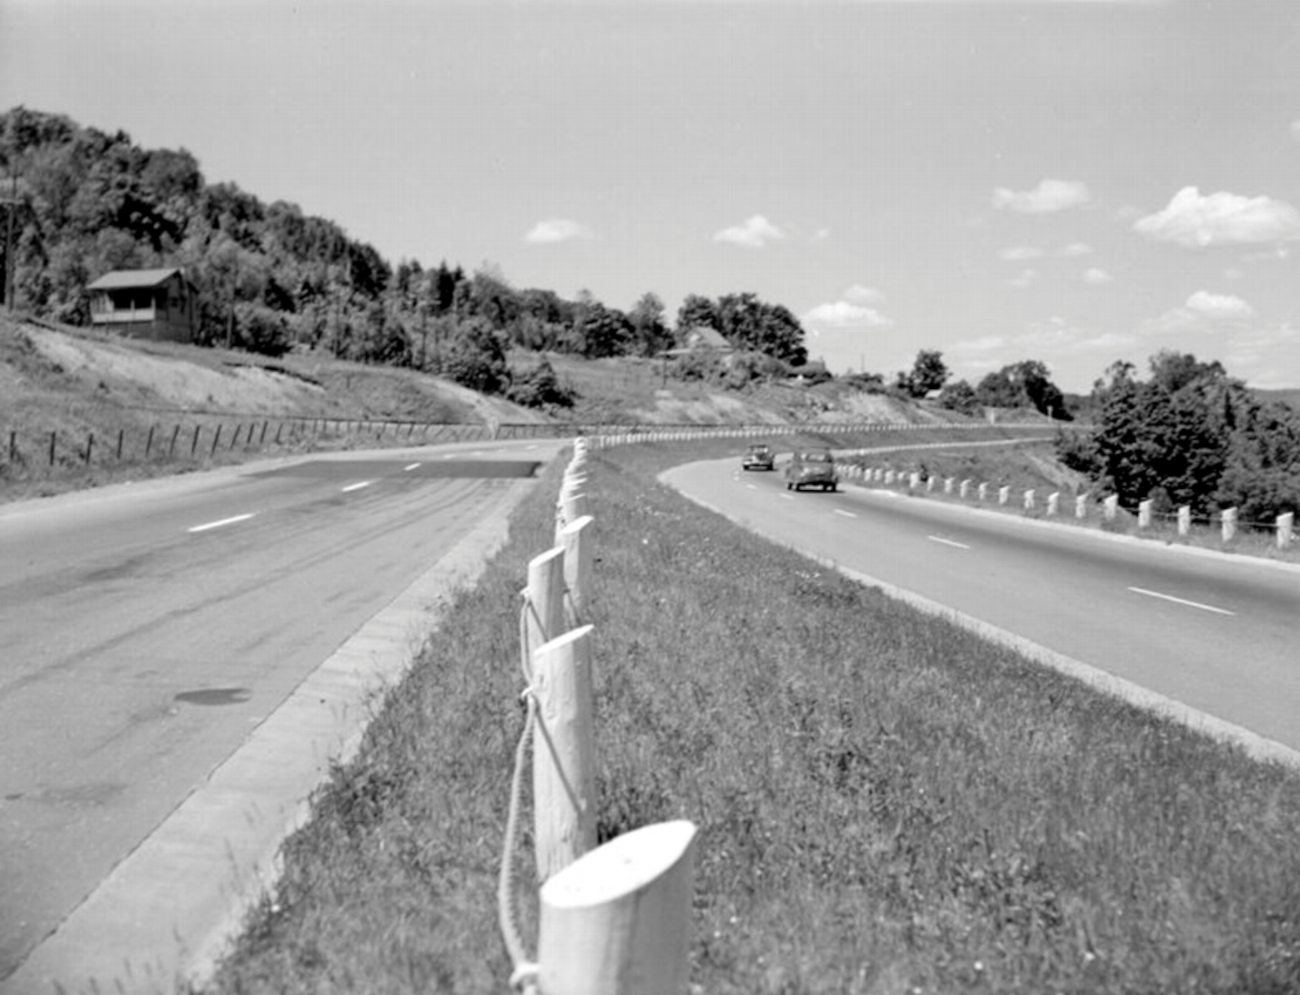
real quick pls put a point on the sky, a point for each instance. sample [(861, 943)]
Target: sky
[(1077, 182)]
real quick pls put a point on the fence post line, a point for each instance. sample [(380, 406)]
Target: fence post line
[(1111, 505), (1029, 499), (575, 540), (1004, 494), (1081, 506), (1285, 529), (53, 435), (195, 442), (171, 449), (1184, 520), (1054, 503), (215, 439), (148, 442), (13, 446), (1144, 514), (121, 434), (564, 763), (90, 446), (618, 921)]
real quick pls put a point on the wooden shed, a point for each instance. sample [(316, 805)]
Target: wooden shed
[(160, 304)]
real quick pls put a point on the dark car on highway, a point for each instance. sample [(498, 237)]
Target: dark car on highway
[(811, 468), (759, 456)]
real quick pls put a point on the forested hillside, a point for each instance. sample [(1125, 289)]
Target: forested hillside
[(272, 278)]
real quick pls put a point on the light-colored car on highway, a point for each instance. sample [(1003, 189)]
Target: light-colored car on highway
[(811, 468)]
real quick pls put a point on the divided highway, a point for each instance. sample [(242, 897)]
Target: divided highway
[(148, 629), (1218, 633)]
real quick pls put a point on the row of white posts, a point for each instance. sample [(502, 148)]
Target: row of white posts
[(1284, 524), (614, 919), (617, 437)]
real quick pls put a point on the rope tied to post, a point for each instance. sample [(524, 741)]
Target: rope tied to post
[(524, 975)]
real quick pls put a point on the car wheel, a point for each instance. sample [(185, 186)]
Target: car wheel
[(834, 488)]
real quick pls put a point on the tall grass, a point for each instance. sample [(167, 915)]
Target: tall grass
[(886, 803)]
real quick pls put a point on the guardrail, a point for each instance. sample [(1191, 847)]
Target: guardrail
[(613, 919), (1049, 505)]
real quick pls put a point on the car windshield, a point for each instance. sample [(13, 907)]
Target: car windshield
[(762, 450), (817, 457)]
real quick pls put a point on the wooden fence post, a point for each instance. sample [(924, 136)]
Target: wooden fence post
[(618, 921), (564, 762), (1229, 524), (1144, 514), (216, 439), (576, 542), (543, 602), (1184, 520), (90, 446), (121, 433), (1111, 507), (148, 442), (171, 449), (194, 443), (1285, 529)]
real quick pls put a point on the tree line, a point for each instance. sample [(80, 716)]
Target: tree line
[(1189, 435)]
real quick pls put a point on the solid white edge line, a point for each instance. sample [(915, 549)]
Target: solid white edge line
[(357, 486), (1181, 601), (409, 467), (218, 524)]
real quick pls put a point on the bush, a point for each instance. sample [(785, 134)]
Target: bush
[(540, 388)]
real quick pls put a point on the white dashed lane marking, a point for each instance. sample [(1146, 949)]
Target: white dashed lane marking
[(1181, 601), (219, 523), (357, 486), (948, 542)]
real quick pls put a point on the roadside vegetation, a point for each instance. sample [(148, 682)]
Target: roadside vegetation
[(886, 803)]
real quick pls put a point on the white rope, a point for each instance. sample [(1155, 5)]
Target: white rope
[(524, 975)]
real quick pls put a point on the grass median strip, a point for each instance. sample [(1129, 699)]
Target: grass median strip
[(886, 802)]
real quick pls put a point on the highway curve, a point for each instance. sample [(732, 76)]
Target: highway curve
[(1214, 632)]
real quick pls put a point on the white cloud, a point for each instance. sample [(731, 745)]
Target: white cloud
[(1074, 249), (1203, 312), (1218, 305), (1017, 253), (1025, 278), (843, 314), (859, 294), (556, 230), (987, 343), (1220, 219), (753, 234), (1046, 198), (1096, 277)]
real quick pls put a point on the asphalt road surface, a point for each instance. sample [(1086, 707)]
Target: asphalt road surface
[(147, 629), (1218, 633)]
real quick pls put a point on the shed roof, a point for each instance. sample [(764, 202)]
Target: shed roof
[(122, 279)]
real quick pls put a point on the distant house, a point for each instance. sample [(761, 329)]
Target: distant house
[(703, 338), (160, 304)]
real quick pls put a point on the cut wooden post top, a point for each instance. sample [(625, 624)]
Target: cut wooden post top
[(620, 867)]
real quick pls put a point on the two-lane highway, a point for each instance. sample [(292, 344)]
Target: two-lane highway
[(1218, 633), (148, 629)]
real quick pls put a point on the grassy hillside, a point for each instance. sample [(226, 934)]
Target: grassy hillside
[(80, 407)]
